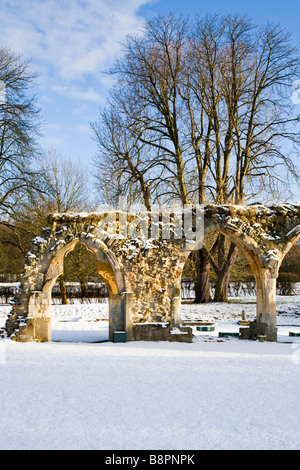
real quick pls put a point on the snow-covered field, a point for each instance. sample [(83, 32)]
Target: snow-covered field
[(215, 393)]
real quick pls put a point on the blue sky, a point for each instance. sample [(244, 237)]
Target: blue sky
[(71, 43)]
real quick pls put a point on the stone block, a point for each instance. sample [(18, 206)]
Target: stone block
[(42, 329), (161, 332)]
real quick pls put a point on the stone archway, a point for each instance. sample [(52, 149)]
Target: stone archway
[(37, 302), (143, 267), (251, 229), (107, 266), (264, 234)]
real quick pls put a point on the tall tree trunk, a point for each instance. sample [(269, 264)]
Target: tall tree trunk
[(223, 275), (62, 286), (202, 266), (83, 289)]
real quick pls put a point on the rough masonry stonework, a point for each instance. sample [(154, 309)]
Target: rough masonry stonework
[(141, 257)]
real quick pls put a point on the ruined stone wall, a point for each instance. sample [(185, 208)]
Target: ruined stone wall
[(152, 272), (143, 268), (149, 270)]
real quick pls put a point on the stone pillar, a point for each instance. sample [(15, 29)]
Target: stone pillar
[(120, 315), (265, 323), (128, 302), (42, 329), (39, 310), (175, 311), (116, 315), (266, 304), (36, 326)]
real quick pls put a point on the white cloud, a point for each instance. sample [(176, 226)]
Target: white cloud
[(70, 42), (84, 129), (69, 38), (76, 93)]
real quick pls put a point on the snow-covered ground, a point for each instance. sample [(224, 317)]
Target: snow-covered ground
[(226, 316), (215, 393)]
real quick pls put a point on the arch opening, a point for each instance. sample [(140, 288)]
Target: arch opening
[(288, 292), (108, 315), (206, 309)]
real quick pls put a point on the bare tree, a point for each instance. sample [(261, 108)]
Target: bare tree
[(62, 188), (251, 113), (150, 75), (64, 183), (19, 129), (209, 106), (122, 167)]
